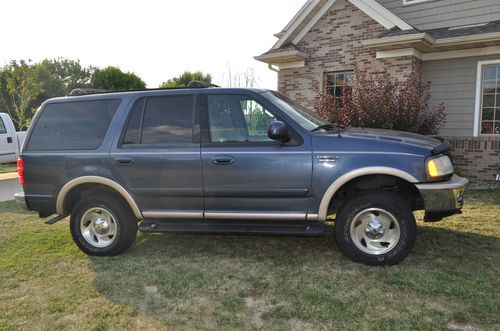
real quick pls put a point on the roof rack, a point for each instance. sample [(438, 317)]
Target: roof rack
[(86, 91), (195, 84)]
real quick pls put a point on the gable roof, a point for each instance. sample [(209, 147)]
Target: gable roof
[(313, 10)]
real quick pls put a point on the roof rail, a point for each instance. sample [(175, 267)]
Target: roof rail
[(200, 84), (192, 85), (87, 91)]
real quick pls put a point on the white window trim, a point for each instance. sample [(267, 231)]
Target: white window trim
[(413, 2), (479, 96)]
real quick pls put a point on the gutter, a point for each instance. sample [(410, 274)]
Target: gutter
[(429, 41), (281, 55), (390, 41)]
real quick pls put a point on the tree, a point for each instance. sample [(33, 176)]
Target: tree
[(187, 77), (240, 79), (113, 79), (19, 88), (378, 100), (68, 73)]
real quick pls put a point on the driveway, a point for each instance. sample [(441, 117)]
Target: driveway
[(8, 187)]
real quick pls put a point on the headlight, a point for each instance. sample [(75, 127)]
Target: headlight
[(439, 167)]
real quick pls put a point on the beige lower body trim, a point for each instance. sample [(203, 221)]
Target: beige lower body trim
[(173, 214), (97, 180), (312, 217), (255, 216), (330, 192)]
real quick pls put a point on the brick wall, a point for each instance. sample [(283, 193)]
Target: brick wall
[(334, 44), (477, 158)]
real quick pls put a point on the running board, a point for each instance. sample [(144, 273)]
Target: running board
[(235, 227), (56, 219)]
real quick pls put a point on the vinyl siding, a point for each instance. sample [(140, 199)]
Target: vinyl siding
[(445, 13), (454, 83)]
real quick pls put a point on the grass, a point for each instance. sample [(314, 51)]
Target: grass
[(5, 168), (451, 280)]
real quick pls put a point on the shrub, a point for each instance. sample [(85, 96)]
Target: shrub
[(378, 100)]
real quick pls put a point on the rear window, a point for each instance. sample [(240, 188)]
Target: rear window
[(73, 125), (2, 127)]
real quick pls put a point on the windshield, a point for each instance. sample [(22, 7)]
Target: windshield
[(306, 118)]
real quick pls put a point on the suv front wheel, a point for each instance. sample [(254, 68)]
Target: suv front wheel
[(375, 228), (103, 225)]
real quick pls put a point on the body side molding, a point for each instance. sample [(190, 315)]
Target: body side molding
[(97, 180), (339, 182)]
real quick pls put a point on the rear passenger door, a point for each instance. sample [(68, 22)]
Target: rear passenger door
[(158, 157)]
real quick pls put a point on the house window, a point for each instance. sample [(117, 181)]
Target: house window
[(337, 81), (490, 99), (412, 2)]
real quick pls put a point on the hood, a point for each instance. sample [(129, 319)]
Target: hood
[(393, 136)]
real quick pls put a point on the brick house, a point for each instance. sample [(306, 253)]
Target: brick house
[(454, 43)]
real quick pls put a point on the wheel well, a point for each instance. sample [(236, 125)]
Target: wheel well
[(405, 189), (88, 189)]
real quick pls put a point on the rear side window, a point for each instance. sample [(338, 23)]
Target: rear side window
[(161, 121), (73, 125), (2, 127)]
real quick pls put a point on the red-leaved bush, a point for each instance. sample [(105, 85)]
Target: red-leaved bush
[(377, 100)]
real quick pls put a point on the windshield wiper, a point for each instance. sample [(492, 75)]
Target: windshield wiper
[(329, 127)]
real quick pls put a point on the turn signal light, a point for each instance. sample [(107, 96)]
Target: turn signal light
[(432, 168)]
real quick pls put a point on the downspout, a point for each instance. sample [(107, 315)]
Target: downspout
[(270, 66)]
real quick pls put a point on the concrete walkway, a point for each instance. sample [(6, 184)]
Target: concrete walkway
[(9, 184), (9, 175)]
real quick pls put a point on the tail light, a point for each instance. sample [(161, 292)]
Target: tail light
[(20, 171)]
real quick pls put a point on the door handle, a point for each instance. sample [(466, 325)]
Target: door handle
[(124, 161), (9, 140), (223, 160)]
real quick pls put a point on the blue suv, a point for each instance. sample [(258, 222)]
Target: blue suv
[(229, 161)]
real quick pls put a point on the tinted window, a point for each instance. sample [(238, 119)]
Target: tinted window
[(133, 133), (237, 118), (2, 127), (161, 120), (73, 125)]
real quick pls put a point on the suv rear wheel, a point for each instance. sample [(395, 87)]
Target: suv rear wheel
[(375, 228), (103, 225)]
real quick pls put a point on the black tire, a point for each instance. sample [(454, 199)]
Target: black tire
[(376, 203), (123, 220)]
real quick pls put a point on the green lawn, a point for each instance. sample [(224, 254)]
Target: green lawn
[(451, 280), (5, 168)]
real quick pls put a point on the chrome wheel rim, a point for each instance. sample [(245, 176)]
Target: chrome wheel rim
[(375, 231), (98, 227)]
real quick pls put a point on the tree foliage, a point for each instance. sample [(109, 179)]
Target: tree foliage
[(187, 77), (68, 73), (19, 89), (378, 100), (25, 85), (113, 79)]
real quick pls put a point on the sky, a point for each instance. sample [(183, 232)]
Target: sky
[(155, 39)]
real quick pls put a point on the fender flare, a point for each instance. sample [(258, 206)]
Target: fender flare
[(341, 181), (96, 180)]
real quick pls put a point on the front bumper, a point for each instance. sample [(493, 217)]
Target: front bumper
[(443, 199), (21, 200)]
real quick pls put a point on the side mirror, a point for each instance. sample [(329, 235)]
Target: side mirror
[(278, 131)]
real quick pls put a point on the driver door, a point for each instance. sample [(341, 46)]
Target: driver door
[(246, 175)]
